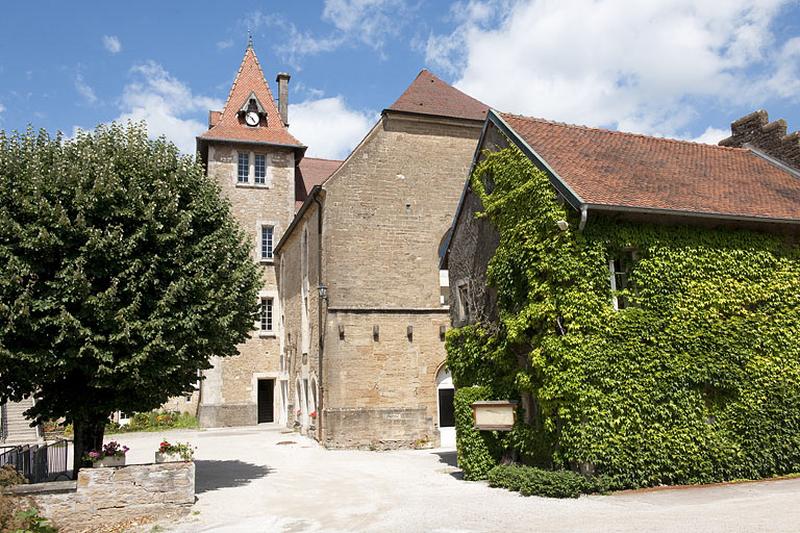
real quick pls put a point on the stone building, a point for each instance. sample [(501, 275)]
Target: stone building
[(261, 169), (630, 177), (362, 299)]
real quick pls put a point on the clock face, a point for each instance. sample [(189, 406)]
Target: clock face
[(252, 118)]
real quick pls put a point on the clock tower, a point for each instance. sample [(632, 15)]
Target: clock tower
[(249, 151)]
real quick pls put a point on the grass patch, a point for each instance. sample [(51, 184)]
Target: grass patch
[(154, 421)]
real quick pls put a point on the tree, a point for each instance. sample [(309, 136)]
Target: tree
[(122, 271)]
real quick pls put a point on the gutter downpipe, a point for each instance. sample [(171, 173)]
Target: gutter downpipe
[(320, 328), (584, 216)]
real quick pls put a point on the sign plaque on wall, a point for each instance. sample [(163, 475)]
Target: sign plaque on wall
[(497, 415)]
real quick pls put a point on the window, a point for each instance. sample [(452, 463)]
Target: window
[(266, 314), (266, 242), (463, 301), (260, 169), (619, 272), (243, 175)]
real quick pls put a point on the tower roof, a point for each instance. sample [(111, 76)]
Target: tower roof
[(429, 95), (250, 82)]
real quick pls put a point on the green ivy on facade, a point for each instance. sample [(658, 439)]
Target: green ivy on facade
[(696, 380)]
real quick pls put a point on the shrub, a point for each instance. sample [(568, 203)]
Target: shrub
[(10, 476), (477, 451), (530, 481), (20, 516)]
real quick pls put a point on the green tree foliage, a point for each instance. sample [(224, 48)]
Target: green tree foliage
[(697, 380), (121, 272)]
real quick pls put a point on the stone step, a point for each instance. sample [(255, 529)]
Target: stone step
[(16, 428)]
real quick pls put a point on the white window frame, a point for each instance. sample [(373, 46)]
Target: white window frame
[(251, 170), (266, 324), (239, 180), (275, 331), (271, 249)]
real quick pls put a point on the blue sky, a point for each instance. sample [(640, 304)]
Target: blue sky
[(680, 68)]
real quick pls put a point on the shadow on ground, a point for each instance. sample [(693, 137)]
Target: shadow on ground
[(451, 459), (212, 475), (448, 457)]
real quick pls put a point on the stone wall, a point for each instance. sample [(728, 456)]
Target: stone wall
[(471, 247), (370, 381), (103, 497), (230, 389), (385, 212), (296, 275), (378, 428)]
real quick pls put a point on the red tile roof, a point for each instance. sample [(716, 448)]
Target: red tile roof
[(611, 168), (429, 95), (311, 171), (250, 79)]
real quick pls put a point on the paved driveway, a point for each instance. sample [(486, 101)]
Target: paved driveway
[(261, 479)]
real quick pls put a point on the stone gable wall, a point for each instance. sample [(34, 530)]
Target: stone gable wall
[(385, 214)]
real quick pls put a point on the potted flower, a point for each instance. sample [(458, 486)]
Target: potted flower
[(111, 454), (172, 453)]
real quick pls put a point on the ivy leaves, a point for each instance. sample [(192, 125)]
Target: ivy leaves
[(697, 381)]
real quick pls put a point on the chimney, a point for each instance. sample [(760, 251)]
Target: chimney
[(757, 131), (283, 96)]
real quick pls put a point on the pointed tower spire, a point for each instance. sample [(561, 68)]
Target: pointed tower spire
[(250, 90)]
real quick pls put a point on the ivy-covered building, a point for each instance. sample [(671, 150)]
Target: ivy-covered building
[(640, 296)]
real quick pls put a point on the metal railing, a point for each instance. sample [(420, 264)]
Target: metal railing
[(39, 462)]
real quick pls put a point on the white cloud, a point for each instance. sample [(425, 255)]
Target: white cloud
[(369, 21), (112, 43), (84, 89), (166, 104), (712, 135), (294, 43), (328, 127), (2, 108), (227, 43), (615, 63)]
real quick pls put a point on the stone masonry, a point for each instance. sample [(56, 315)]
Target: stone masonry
[(756, 130), (103, 497), (385, 212), (230, 388)]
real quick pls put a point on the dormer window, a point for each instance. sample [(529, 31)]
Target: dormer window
[(252, 112)]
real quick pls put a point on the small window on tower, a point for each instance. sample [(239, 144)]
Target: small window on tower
[(266, 314), (260, 169), (266, 242), (243, 173)]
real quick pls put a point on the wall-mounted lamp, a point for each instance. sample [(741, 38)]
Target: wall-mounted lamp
[(410, 333), (376, 333), (341, 332), (323, 292)]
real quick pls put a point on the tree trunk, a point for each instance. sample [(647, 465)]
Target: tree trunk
[(87, 436)]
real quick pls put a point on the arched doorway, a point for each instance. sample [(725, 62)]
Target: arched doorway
[(445, 394)]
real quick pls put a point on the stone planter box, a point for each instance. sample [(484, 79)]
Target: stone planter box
[(107, 462), (168, 458)]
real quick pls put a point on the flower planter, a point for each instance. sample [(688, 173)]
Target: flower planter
[(168, 458), (106, 462)]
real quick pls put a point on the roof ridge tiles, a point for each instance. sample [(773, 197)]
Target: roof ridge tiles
[(618, 132)]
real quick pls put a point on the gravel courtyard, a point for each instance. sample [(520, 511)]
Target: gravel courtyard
[(262, 479)]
